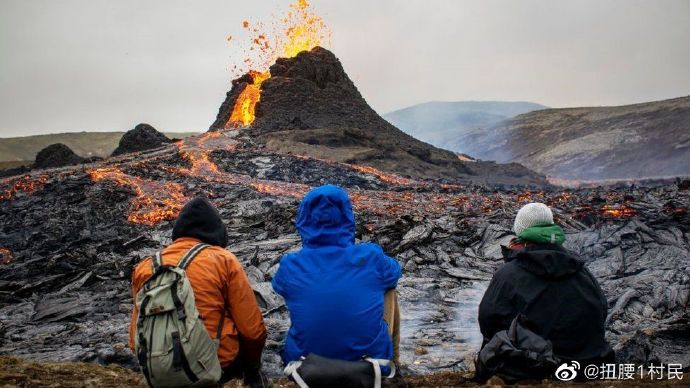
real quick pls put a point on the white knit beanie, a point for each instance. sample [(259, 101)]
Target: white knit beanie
[(532, 214)]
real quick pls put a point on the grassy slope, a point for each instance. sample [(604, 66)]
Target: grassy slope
[(83, 143)]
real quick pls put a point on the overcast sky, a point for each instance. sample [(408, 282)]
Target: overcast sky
[(101, 65)]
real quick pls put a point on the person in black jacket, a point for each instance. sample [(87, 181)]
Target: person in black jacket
[(551, 288)]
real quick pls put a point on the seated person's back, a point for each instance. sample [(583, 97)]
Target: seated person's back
[(334, 288), (552, 288), (222, 293)]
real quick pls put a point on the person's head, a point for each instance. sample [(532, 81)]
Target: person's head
[(200, 220), (532, 214), (325, 217)]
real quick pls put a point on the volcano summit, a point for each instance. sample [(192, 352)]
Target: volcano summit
[(308, 105)]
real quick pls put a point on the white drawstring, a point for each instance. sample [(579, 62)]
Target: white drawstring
[(291, 370), (378, 363)]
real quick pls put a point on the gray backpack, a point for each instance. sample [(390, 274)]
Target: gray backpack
[(171, 342)]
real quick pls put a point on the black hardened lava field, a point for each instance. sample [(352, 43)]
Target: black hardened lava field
[(70, 236)]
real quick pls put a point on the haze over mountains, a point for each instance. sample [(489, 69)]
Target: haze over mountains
[(622, 142), (445, 123)]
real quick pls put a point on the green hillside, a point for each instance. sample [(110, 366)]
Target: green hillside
[(83, 143)]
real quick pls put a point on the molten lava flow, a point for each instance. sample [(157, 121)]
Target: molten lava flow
[(392, 179), (25, 184), (300, 30), (198, 153), (618, 211), (201, 164), (154, 202), (284, 189), (244, 111)]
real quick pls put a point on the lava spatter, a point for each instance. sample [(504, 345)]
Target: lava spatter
[(300, 30)]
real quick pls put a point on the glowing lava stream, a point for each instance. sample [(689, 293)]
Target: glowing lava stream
[(244, 111), (157, 201), (300, 30), (154, 202)]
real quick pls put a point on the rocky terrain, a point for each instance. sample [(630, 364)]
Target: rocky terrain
[(622, 142), (452, 125), (70, 237), (309, 106)]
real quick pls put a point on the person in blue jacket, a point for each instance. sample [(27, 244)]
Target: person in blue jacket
[(334, 288)]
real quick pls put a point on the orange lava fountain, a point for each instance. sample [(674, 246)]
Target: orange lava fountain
[(300, 30)]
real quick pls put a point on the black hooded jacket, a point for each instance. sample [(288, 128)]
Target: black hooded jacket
[(199, 219), (557, 294)]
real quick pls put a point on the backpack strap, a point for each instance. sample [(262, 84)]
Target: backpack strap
[(190, 255), (143, 355), (156, 261)]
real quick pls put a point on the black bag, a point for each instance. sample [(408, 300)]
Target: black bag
[(516, 354), (315, 371)]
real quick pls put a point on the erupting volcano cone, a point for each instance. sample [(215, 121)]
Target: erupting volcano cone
[(308, 105)]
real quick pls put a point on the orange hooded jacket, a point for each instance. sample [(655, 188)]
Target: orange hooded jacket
[(220, 287)]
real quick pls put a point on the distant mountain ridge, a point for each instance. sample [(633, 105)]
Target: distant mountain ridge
[(620, 142), (445, 123), (645, 140)]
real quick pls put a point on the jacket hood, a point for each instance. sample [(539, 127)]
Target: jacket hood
[(325, 218), (550, 261), (200, 219)]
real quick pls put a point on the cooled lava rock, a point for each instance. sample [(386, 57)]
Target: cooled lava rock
[(56, 155), (309, 106), (70, 249), (14, 171), (143, 137)]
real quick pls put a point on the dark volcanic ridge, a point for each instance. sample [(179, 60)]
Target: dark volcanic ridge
[(56, 155), (71, 236), (636, 141), (143, 137), (309, 106)]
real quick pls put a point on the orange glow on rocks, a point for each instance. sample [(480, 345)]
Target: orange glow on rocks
[(154, 201), (244, 112), (6, 256), (25, 184)]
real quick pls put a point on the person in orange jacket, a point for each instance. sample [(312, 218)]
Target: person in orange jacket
[(220, 287)]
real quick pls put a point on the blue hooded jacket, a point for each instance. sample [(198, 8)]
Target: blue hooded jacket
[(333, 287)]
